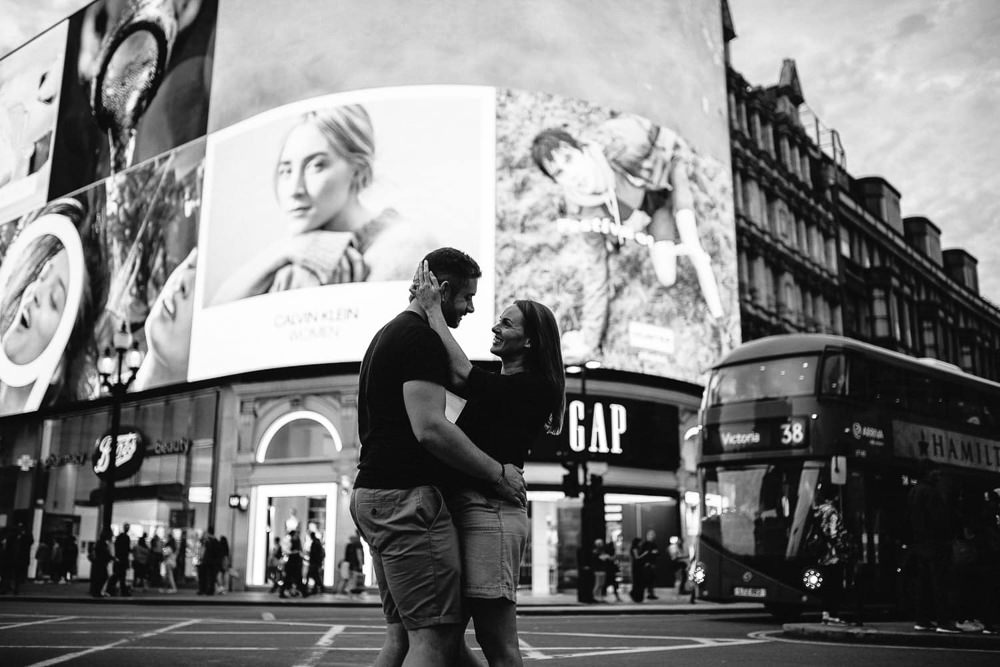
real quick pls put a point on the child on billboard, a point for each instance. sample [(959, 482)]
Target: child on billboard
[(634, 172)]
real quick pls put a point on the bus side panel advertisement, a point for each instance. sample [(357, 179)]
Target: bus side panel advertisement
[(918, 441)]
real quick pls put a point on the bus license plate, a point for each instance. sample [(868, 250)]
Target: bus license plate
[(744, 592)]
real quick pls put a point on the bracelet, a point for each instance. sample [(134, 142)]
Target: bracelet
[(500, 477)]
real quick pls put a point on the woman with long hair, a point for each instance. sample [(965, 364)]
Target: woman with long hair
[(49, 305), (504, 414), (325, 163)]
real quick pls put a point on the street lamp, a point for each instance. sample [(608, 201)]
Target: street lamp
[(117, 371), (592, 511)]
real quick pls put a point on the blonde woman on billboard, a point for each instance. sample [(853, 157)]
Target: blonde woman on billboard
[(168, 329), (50, 297), (504, 414), (326, 162)]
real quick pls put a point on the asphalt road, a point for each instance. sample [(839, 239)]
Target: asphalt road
[(39, 634)]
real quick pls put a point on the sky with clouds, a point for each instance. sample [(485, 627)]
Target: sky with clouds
[(912, 86)]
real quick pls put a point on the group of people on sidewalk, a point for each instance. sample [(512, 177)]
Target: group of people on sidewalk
[(294, 571), (153, 562), (955, 557), (643, 555), (15, 555)]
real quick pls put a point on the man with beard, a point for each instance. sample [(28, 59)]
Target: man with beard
[(407, 446)]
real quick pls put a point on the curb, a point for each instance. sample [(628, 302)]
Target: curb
[(873, 635)]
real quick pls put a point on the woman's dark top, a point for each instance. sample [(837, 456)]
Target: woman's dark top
[(504, 415)]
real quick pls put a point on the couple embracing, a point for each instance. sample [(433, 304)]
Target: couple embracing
[(443, 506)]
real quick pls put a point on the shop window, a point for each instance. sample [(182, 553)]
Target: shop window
[(299, 435)]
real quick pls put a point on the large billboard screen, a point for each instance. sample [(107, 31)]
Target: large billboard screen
[(242, 208)]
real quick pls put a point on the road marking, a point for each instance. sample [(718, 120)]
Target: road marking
[(322, 645), (95, 649), (530, 651), (654, 649), (55, 619)]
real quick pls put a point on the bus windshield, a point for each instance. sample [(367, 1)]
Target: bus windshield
[(760, 510), (772, 378)]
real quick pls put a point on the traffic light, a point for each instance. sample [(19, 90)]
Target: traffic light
[(571, 481)]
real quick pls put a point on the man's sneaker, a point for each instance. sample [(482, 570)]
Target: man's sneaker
[(948, 629), (924, 627)]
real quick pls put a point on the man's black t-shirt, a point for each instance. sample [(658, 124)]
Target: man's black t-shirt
[(405, 349), (505, 414)]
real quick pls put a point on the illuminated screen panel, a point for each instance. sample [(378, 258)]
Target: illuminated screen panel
[(622, 227), (136, 84), (120, 252), (327, 246), (579, 151), (30, 81)]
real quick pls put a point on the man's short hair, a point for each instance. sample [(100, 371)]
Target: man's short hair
[(547, 142), (452, 265)]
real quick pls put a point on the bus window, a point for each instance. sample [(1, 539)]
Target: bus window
[(759, 510), (774, 378), (965, 405), (888, 385), (833, 380)]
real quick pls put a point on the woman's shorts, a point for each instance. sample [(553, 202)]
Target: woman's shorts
[(493, 534)]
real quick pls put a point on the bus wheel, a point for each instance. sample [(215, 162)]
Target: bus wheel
[(783, 612)]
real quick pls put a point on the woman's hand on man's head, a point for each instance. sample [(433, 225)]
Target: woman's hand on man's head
[(425, 289)]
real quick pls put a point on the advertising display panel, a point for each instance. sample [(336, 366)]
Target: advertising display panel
[(250, 185), (119, 253), (335, 201), (30, 81)]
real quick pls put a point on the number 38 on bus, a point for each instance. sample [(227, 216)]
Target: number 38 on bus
[(797, 426)]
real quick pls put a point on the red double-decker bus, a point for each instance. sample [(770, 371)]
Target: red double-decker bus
[(789, 420)]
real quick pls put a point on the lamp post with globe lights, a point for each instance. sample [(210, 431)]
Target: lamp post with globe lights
[(117, 370)]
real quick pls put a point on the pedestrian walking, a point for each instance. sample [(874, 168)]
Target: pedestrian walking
[(611, 571), (292, 579), (122, 563), (43, 560), (225, 563), (70, 556), (354, 556), (101, 555), (598, 567), (170, 563), (932, 532), (650, 552), (316, 555), (140, 563), (636, 559), (155, 561), (275, 564)]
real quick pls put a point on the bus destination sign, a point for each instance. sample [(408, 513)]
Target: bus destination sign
[(758, 435)]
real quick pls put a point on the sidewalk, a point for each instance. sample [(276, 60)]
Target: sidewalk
[(528, 604), (896, 633)]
